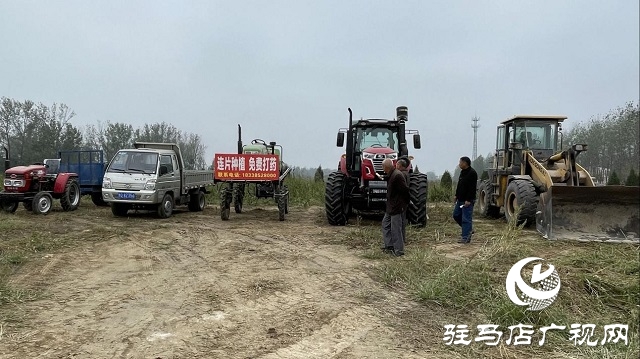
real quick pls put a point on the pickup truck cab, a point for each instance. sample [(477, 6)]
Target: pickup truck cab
[(151, 176)]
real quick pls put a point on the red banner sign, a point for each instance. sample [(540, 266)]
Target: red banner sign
[(246, 167)]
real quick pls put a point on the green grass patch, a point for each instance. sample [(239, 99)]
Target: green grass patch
[(600, 283)]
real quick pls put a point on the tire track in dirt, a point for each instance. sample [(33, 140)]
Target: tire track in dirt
[(255, 287)]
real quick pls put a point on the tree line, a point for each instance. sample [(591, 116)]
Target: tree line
[(33, 132)]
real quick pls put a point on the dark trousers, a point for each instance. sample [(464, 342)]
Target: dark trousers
[(404, 226), (464, 217), (392, 232)]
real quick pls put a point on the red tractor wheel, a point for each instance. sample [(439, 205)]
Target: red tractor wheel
[(42, 203), (9, 207), (70, 199)]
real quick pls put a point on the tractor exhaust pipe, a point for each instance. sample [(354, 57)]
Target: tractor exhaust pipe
[(402, 113), (239, 139), (349, 149), (7, 162)]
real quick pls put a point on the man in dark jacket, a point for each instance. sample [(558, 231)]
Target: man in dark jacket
[(403, 166), (397, 201), (465, 198)]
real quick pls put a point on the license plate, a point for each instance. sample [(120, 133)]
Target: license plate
[(378, 191), (377, 183), (126, 196), (378, 199)]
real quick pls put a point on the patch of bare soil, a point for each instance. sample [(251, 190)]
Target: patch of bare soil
[(194, 286)]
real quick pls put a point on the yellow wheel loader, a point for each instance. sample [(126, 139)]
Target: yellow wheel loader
[(533, 180)]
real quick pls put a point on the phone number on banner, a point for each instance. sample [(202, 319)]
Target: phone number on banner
[(247, 175)]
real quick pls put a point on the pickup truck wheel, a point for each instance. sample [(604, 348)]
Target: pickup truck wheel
[(197, 202), (165, 208), (9, 207), (119, 209), (42, 203)]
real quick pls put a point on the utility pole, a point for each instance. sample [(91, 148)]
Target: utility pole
[(475, 127)]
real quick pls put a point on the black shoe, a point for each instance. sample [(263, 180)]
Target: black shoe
[(398, 253), (387, 249), (462, 241)]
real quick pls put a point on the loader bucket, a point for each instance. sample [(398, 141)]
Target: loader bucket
[(606, 213)]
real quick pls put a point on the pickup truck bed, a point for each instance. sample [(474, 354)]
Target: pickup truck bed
[(196, 179)]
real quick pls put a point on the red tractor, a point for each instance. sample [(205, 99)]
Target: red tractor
[(37, 185), (355, 185)]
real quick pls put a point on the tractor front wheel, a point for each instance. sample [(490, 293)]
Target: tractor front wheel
[(334, 200), (418, 189), (42, 203), (9, 207), (70, 199), (521, 201), (282, 206)]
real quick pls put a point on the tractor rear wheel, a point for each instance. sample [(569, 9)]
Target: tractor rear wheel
[(521, 200), (9, 207), (96, 198), (334, 199), (119, 209), (42, 203), (197, 202), (165, 208), (418, 188), (70, 199), (485, 193), (282, 207), (238, 194)]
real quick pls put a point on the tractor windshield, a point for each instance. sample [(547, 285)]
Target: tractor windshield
[(134, 161), (376, 137), (536, 135)]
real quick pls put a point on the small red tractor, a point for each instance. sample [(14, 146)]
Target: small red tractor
[(37, 185)]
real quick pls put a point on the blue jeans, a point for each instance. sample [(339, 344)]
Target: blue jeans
[(464, 217)]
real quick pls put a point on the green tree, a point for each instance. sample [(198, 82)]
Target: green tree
[(484, 176), (632, 179), (445, 180), (479, 164), (319, 175), (614, 180)]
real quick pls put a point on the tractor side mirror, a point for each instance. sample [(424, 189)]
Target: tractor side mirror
[(340, 139), (416, 142)]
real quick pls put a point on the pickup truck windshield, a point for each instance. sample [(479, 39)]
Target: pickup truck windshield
[(134, 161)]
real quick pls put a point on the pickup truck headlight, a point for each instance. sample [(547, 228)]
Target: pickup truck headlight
[(106, 183), (150, 185)]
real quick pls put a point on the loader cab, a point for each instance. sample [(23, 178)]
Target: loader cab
[(535, 134)]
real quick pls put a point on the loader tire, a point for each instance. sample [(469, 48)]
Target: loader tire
[(521, 193), (334, 200), (484, 201), (70, 200), (418, 189)]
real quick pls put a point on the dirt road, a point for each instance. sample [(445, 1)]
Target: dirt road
[(194, 286)]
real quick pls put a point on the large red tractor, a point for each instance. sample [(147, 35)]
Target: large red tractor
[(355, 186), (37, 185)]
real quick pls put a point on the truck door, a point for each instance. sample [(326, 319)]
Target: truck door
[(169, 174)]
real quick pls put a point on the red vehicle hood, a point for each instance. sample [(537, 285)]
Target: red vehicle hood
[(381, 150), (21, 170)]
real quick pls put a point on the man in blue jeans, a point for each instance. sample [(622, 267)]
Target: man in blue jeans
[(465, 198)]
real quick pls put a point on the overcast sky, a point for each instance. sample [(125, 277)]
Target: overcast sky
[(288, 70)]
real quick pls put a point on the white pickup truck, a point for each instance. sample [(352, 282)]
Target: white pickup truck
[(152, 177)]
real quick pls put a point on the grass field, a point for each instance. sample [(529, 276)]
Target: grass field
[(452, 284)]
